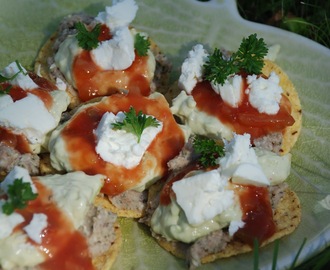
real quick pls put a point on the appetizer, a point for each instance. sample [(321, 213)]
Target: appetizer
[(239, 92), (219, 200), (55, 222), (102, 55), (30, 108), (129, 138)]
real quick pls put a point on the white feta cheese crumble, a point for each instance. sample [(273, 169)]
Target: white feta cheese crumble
[(34, 125), (120, 147), (17, 173), (192, 68), (231, 91), (234, 226), (8, 222), (120, 14), (116, 53), (22, 79), (265, 94), (240, 162), (203, 196), (36, 226)]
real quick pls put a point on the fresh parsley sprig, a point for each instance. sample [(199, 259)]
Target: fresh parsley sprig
[(248, 58), (136, 123), (141, 44), (19, 193), (87, 40), (6, 90), (208, 149)]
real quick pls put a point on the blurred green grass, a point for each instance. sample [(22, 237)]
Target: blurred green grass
[(310, 18)]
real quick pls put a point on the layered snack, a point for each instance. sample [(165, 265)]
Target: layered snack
[(55, 222), (30, 108), (241, 92), (102, 55), (129, 138), (219, 200)]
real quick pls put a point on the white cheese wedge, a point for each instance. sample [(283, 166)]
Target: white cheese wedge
[(8, 222), (192, 68), (120, 147), (240, 162), (203, 196), (231, 91)]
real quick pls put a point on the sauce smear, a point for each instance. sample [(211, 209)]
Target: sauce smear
[(245, 118), (63, 247), (81, 141), (257, 214)]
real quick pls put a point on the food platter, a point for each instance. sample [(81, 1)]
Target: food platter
[(176, 26)]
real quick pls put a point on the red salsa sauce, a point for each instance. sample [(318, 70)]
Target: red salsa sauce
[(62, 245), (92, 81), (244, 118), (81, 141), (257, 214)]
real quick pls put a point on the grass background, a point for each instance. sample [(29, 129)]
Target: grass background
[(310, 18)]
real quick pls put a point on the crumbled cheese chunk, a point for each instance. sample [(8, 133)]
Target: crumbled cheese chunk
[(240, 162), (8, 222), (265, 94), (22, 79), (120, 14), (234, 226), (231, 91), (120, 147), (192, 68), (36, 226), (116, 53), (17, 173), (35, 124), (203, 196)]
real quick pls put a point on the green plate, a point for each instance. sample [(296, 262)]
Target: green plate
[(176, 25)]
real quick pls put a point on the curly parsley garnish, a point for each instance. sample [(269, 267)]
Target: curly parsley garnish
[(208, 149), (136, 123), (248, 58), (88, 40), (19, 193), (5, 91), (141, 44)]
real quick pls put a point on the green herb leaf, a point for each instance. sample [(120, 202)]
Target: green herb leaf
[(248, 58), (141, 44), (19, 193), (87, 40), (136, 123), (6, 90), (208, 149)]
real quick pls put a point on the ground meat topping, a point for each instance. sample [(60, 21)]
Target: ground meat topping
[(99, 229)]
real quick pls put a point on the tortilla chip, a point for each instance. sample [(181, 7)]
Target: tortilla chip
[(290, 134), (287, 217)]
